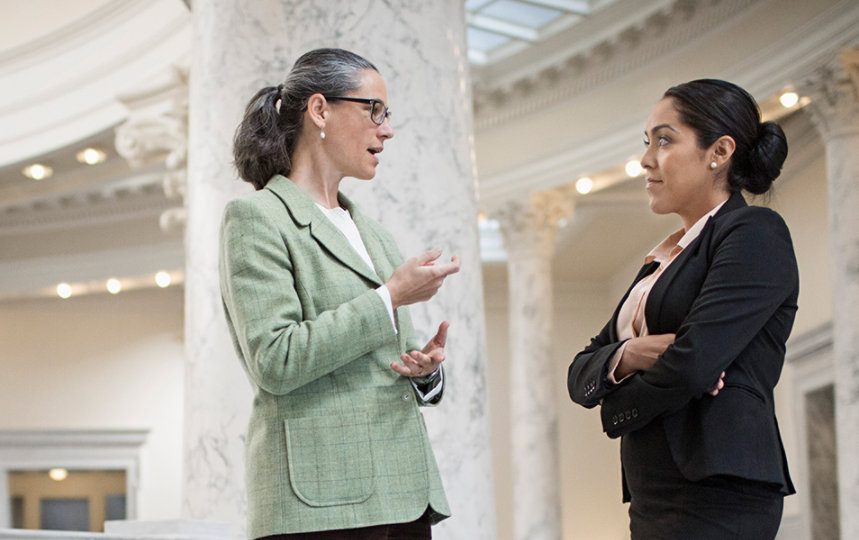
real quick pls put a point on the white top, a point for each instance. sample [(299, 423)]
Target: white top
[(341, 219)]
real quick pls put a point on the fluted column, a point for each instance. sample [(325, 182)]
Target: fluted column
[(529, 228), (835, 111), (424, 193)]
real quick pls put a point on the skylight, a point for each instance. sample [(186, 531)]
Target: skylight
[(500, 28)]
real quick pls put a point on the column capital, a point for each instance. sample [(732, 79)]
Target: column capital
[(834, 92), (157, 130), (531, 223)]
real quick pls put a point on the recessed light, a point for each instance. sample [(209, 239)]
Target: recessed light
[(91, 156), (633, 168), (58, 475), (162, 279), (38, 171), (584, 185), (64, 290), (113, 286), (788, 99)]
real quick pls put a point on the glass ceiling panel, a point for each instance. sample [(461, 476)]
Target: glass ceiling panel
[(473, 5), (520, 13), (484, 41), (519, 23)]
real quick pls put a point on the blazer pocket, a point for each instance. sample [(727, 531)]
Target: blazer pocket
[(330, 459)]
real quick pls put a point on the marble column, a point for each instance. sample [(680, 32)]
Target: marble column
[(835, 111), (424, 193), (529, 228)]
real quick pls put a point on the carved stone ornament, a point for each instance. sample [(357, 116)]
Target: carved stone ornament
[(532, 223), (834, 92)]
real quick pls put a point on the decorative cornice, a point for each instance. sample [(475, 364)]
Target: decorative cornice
[(62, 87), (531, 224), (657, 33), (805, 346), (834, 92), (77, 32), (136, 196), (130, 438), (795, 55), (158, 125)]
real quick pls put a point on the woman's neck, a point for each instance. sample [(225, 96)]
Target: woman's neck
[(316, 178)]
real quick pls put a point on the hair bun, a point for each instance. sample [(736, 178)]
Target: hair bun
[(764, 161)]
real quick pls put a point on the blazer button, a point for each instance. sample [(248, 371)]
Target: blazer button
[(635, 413), (628, 415), (405, 396), (614, 420)]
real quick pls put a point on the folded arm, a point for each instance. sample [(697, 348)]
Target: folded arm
[(752, 273)]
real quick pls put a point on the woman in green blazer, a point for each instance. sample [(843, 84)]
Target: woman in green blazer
[(316, 297)]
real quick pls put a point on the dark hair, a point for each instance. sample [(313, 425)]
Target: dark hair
[(266, 137), (714, 108)]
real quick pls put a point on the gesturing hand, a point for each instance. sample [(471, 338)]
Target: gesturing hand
[(419, 278), (422, 363)]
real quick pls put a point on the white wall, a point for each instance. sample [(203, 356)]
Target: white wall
[(101, 362)]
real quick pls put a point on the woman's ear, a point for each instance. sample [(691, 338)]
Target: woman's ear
[(723, 149), (317, 109)]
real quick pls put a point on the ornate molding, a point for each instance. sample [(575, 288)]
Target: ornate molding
[(531, 225), (63, 86), (662, 30), (796, 55), (138, 195), (157, 130), (834, 92)]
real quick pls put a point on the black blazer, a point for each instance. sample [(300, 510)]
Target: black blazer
[(730, 297)]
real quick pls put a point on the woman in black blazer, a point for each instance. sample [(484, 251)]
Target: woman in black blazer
[(684, 371)]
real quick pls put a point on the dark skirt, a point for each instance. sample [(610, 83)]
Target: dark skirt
[(665, 505)]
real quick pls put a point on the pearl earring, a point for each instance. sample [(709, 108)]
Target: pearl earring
[(713, 165), (321, 134)]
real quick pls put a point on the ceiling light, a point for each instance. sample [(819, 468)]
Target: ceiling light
[(91, 156), (633, 168), (584, 185), (113, 286), (788, 99), (64, 290), (37, 171), (58, 474), (162, 279)]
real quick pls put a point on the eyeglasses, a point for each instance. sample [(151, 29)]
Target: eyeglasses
[(378, 111)]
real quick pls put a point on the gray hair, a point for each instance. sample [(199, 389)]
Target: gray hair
[(267, 135)]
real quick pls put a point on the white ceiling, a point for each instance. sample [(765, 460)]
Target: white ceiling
[(541, 50)]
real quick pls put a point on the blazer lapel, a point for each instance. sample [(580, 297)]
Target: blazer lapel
[(653, 307), (305, 213)]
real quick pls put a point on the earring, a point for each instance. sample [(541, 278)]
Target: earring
[(321, 134), (713, 165)]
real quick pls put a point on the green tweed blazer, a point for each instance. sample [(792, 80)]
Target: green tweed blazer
[(335, 439)]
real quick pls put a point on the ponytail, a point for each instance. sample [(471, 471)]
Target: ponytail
[(259, 147)]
